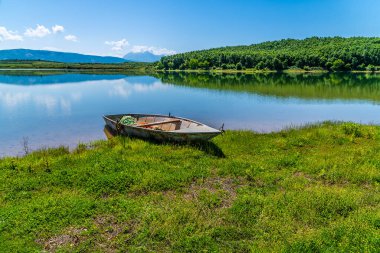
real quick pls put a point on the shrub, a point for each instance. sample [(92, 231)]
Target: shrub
[(338, 65), (371, 68)]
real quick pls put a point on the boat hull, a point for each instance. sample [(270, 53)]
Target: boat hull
[(156, 135)]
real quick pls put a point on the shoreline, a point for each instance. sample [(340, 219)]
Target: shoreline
[(287, 71), (150, 71), (109, 136)]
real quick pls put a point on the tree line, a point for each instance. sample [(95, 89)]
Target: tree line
[(315, 53)]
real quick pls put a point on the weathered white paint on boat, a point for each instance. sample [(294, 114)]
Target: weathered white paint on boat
[(171, 128)]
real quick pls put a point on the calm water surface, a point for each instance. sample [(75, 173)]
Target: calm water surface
[(66, 109)]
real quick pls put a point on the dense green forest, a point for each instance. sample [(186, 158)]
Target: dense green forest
[(332, 54)]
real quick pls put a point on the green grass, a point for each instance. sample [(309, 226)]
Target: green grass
[(314, 189)]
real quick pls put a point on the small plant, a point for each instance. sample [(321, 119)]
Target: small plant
[(13, 166), (80, 148), (371, 68), (124, 141), (358, 131), (25, 145), (352, 129), (45, 160)]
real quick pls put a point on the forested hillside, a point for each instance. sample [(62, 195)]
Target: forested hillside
[(333, 54)]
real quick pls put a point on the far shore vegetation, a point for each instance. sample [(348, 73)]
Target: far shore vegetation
[(311, 55), (101, 67), (314, 189), (144, 67)]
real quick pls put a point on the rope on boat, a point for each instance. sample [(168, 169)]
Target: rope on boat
[(128, 120), (118, 127), (222, 129)]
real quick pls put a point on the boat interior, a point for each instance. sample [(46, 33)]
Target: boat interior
[(164, 123)]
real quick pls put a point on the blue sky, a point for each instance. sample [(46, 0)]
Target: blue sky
[(105, 27)]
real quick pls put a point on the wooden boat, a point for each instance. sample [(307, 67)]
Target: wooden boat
[(161, 128)]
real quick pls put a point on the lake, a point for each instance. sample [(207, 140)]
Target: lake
[(53, 108)]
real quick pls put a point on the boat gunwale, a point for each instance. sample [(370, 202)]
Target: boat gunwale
[(160, 131)]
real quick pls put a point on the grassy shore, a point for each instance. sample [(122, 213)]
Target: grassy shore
[(98, 67), (301, 190), (148, 68)]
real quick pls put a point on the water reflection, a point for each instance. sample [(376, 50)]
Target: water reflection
[(51, 77), (109, 132), (66, 109), (48, 99), (362, 86)]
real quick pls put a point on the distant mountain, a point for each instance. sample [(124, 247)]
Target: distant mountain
[(142, 57), (44, 55)]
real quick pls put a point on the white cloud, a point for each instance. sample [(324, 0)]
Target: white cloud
[(125, 88), (71, 37), (124, 46), (153, 50), (8, 35), (118, 45), (40, 31), (57, 28)]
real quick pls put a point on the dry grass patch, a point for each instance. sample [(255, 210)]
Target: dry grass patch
[(226, 188), (71, 238)]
